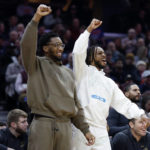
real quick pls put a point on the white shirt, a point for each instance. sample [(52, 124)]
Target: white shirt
[(96, 91)]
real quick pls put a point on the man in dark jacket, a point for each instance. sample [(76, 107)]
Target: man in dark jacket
[(15, 137), (134, 138)]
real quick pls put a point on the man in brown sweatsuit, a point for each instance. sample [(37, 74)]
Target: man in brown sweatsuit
[(51, 91)]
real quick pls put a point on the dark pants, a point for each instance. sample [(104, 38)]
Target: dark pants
[(50, 134)]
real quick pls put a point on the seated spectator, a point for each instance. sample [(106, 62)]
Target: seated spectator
[(141, 67), (129, 68), (116, 121), (134, 138), (142, 51), (118, 72), (129, 42), (115, 53), (14, 137), (21, 89), (145, 86), (145, 104), (11, 74)]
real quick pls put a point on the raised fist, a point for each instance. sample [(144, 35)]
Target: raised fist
[(43, 10), (95, 23)]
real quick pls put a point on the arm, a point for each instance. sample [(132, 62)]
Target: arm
[(80, 47), (19, 86), (10, 76), (29, 39), (80, 123), (124, 106)]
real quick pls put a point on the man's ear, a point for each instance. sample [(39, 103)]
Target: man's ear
[(131, 124), (13, 125), (126, 94), (45, 49)]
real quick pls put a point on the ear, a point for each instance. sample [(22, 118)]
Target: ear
[(45, 49), (131, 124), (13, 125), (126, 94)]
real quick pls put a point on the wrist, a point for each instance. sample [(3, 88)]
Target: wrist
[(37, 17), (89, 29)]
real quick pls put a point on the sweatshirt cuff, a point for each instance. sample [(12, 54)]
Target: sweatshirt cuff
[(32, 22), (87, 33), (86, 130)]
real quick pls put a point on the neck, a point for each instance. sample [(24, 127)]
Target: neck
[(12, 130), (137, 137), (57, 61), (98, 68)]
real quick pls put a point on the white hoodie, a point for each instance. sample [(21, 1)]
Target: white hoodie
[(98, 92)]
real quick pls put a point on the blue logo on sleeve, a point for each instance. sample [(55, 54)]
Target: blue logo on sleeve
[(99, 98)]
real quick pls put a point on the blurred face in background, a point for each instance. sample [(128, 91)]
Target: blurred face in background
[(131, 34), (134, 93)]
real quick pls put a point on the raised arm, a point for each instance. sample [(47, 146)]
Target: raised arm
[(29, 39), (80, 48)]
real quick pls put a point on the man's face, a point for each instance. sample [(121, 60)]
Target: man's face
[(100, 58), (21, 125), (55, 49), (138, 127), (134, 93)]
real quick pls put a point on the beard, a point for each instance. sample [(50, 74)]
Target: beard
[(98, 65), (135, 100), (54, 57), (20, 131)]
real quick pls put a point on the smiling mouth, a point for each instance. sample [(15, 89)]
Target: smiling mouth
[(59, 54), (104, 60)]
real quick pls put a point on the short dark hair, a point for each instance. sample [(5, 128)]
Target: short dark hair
[(45, 38), (14, 115), (132, 120), (128, 86)]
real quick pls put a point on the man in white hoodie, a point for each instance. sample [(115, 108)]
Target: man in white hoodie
[(97, 92)]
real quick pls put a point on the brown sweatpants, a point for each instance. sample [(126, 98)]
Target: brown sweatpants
[(49, 134)]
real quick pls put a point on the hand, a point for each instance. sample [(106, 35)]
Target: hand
[(41, 11), (10, 148), (95, 23), (90, 138)]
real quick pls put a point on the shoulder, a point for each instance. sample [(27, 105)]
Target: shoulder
[(67, 69), (121, 137)]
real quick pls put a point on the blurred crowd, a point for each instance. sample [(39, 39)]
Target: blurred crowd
[(128, 56)]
